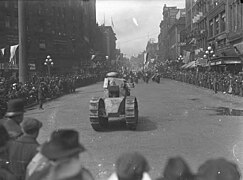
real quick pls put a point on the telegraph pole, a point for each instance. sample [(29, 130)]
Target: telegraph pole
[(22, 42)]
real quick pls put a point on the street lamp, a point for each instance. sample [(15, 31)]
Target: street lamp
[(48, 62), (180, 59), (209, 53)]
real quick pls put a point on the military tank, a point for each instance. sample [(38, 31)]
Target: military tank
[(116, 103)]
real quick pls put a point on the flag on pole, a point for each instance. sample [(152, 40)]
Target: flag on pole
[(92, 57), (145, 58), (112, 22), (2, 51), (12, 58)]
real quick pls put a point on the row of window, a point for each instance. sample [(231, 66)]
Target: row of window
[(43, 26), (236, 16), (217, 24)]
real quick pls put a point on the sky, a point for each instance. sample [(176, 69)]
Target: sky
[(134, 21)]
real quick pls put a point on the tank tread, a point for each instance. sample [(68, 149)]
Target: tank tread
[(131, 112), (97, 117), (93, 107)]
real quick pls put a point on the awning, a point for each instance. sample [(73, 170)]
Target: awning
[(182, 67), (239, 48), (192, 64), (225, 60)]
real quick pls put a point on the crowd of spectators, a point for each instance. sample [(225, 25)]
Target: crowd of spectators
[(53, 87), (224, 82), (23, 158)]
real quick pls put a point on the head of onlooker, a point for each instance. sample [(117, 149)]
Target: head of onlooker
[(176, 168), (132, 166), (218, 169), (15, 110), (62, 150), (31, 126), (63, 143)]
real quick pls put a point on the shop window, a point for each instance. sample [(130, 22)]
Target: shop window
[(6, 4), (42, 44), (15, 4), (7, 22), (217, 25), (15, 23), (211, 28), (223, 22)]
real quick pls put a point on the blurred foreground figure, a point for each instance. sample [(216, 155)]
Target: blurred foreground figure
[(5, 173), (218, 169), (131, 166), (23, 149), (177, 169), (13, 118), (58, 159)]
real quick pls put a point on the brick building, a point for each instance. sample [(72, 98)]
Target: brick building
[(215, 23), (235, 35), (169, 18), (175, 41), (63, 29), (109, 42)]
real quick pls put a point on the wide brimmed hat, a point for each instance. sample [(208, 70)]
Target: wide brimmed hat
[(130, 165), (63, 143), (15, 107)]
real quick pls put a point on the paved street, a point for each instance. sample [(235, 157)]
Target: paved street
[(175, 119)]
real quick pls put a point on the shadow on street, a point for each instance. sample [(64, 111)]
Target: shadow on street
[(225, 111), (144, 124)]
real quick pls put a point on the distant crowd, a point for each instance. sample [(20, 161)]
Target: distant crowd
[(23, 158), (224, 82), (41, 88)]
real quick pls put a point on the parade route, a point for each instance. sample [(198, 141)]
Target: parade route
[(174, 119)]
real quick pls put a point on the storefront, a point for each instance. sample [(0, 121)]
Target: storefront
[(230, 64)]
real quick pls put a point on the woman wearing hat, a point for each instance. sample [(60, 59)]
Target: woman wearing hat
[(58, 159)]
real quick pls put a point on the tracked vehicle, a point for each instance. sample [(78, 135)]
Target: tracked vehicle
[(117, 103)]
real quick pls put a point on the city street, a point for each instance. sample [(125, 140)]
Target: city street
[(174, 119)]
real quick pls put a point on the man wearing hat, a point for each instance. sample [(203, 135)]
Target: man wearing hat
[(23, 149), (62, 152), (131, 166), (13, 118)]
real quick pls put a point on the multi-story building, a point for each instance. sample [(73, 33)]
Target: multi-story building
[(169, 17), (215, 23), (109, 42), (235, 34), (152, 50), (63, 29), (175, 35)]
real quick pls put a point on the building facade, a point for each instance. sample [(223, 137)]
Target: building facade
[(109, 42), (169, 18), (235, 35), (175, 41), (64, 29), (215, 23)]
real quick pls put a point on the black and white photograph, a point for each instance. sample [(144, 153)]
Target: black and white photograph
[(121, 89)]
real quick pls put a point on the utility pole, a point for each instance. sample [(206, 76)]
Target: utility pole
[(22, 42)]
